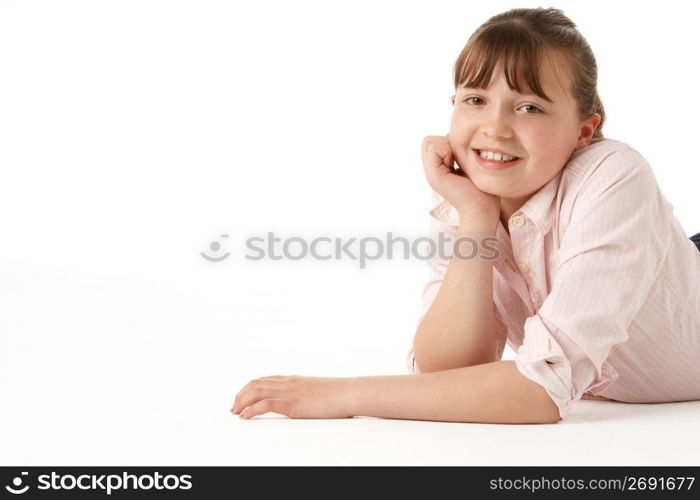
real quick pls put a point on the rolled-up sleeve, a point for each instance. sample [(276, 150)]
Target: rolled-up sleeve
[(609, 257)]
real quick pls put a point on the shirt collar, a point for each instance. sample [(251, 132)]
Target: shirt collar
[(540, 208)]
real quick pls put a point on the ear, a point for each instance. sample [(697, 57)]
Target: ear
[(588, 128), (453, 100)]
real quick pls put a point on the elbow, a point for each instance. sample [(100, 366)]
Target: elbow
[(423, 365), (541, 415), (424, 360), (539, 405), (549, 411), (429, 359), (427, 364), (427, 367), (553, 418)]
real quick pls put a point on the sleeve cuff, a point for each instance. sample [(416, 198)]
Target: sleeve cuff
[(554, 361), (541, 359)]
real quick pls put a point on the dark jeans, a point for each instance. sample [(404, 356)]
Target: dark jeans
[(696, 240)]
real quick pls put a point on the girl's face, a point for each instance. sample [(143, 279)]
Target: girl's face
[(543, 134)]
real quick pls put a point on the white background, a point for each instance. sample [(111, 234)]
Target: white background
[(135, 133)]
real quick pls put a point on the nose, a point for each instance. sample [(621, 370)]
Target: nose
[(497, 123)]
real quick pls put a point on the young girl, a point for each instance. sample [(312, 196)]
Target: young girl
[(589, 277)]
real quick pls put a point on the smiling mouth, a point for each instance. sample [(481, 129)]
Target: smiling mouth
[(478, 153), (495, 164)]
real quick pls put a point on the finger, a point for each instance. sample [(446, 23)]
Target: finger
[(439, 151), (237, 399), (444, 154), (275, 405), (433, 140), (448, 160), (435, 169), (272, 378), (431, 162), (252, 396)]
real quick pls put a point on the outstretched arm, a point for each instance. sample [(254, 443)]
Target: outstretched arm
[(488, 393)]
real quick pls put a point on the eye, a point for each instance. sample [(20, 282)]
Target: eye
[(524, 105), (534, 107), (467, 99)]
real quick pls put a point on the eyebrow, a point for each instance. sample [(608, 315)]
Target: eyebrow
[(464, 88)]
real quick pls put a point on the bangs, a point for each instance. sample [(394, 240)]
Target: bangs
[(523, 56)]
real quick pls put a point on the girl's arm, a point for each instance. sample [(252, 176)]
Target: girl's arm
[(490, 393), (493, 392), (458, 328)]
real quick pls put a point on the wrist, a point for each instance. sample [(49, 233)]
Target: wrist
[(468, 223), (477, 229)]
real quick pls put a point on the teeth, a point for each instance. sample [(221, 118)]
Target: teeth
[(496, 156)]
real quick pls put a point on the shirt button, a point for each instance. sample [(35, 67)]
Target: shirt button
[(519, 221), (523, 267)]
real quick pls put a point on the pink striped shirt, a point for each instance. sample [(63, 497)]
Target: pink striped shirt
[(597, 287)]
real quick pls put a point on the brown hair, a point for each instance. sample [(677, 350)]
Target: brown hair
[(523, 37)]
